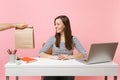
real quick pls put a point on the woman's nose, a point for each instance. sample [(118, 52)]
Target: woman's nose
[(55, 27)]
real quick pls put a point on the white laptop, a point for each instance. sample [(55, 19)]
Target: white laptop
[(101, 52)]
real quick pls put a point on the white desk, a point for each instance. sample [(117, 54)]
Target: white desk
[(49, 67)]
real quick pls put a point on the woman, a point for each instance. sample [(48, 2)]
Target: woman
[(62, 45)]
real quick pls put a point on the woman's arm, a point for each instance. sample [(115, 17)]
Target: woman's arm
[(46, 47), (74, 56), (81, 55), (45, 55), (82, 52)]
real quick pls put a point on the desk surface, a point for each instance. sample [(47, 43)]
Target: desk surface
[(49, 67), (43, 62)]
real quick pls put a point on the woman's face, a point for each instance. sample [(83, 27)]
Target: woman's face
[(59, 26)]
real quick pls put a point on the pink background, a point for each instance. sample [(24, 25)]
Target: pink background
[(91, 21)]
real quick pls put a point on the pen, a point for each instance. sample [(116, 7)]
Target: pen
[(11, 52), (14, 51), (8, 51)]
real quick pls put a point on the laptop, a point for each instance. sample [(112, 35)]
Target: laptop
[(101, 53)]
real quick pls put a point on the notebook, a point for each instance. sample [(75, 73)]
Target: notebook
[(28, 59), (101, 52)]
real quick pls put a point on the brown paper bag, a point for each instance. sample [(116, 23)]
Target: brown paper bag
[(24, 38)]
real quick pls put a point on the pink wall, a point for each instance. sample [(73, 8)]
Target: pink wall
[(91, 21)]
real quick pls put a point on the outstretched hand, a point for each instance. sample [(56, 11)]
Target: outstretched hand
[(20, 26)]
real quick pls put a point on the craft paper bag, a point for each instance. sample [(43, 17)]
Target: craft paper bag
[(24, 38)]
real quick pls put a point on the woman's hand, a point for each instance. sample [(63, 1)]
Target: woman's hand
[(54, 57), (66, 57), (63, 56)]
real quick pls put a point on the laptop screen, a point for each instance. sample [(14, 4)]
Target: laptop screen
[(102, 52)]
